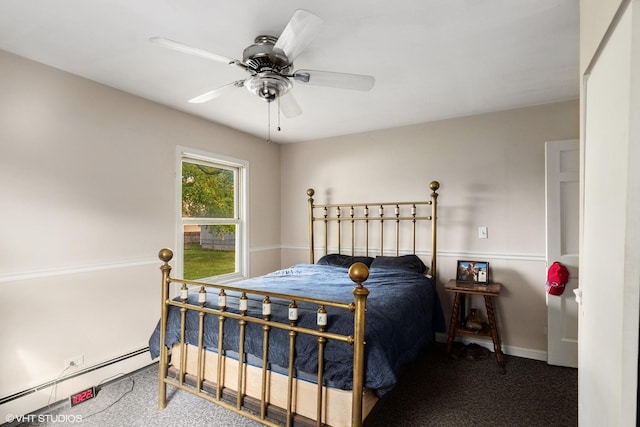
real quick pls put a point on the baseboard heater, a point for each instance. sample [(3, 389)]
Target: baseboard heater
[(104, 364)]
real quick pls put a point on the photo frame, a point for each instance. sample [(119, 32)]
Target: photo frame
[(473, 272)]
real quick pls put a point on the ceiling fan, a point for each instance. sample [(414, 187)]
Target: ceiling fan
[(269, 62)]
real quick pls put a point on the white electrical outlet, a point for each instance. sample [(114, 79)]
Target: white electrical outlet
[(75, 361), (483, 233)]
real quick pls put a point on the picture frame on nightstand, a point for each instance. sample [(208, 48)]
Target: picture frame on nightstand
[(472, 272)]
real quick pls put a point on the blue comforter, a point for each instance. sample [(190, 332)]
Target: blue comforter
[(403, 314)]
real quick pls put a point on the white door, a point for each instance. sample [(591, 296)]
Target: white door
[(610, 251), (562, 212)]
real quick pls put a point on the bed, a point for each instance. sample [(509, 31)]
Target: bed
[(316, 343)]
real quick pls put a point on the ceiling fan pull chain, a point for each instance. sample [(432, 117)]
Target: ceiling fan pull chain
[(278, 114), (269, 122)]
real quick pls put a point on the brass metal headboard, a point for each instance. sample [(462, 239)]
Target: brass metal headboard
[(367, 213)]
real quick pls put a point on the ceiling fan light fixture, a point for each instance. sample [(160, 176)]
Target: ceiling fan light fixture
[(268, 86)]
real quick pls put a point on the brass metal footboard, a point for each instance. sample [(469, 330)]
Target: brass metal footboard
[(358, 273)]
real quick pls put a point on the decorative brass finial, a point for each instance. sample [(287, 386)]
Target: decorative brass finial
[(310, 192), (358, 272), (165, 254), (434, 185)]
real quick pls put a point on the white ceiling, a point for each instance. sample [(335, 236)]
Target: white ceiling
[(432, 59)]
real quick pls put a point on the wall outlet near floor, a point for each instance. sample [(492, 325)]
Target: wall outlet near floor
[(75, 361), (483, 233)]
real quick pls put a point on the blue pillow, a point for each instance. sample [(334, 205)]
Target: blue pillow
[(402, 262), (345, 261)]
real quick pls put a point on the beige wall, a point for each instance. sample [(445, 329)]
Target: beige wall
[(87, 192), (492, 173)]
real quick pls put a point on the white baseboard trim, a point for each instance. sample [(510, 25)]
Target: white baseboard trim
[(85, 370), (527, 353), (51, 392)]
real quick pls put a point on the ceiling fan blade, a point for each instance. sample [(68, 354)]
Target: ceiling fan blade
[(297, 35), (216, 92), (180, 47), (338, 80), (289, 106)]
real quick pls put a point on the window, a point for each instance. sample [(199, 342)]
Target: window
[(212, 223)]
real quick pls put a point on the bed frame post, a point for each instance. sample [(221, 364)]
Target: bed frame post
[(358, 272), (310, 193), (434, 185), (165, 256)]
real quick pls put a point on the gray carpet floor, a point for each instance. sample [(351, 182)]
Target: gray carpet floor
[(435, 391), (440, 391)]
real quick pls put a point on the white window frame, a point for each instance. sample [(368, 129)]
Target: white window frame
[(242, 231)]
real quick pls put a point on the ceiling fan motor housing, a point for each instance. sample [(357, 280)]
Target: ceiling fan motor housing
[(256, 56), (269, 80)]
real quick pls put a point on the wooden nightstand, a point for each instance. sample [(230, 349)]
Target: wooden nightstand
[(489, 292)]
